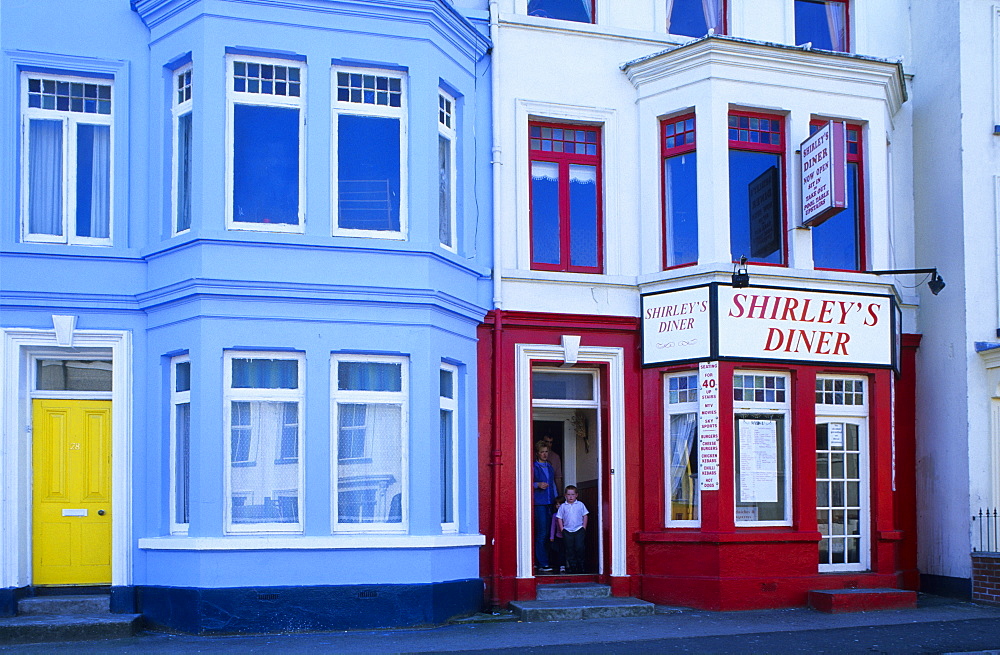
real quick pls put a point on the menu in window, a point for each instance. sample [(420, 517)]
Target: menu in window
[(758, 461)]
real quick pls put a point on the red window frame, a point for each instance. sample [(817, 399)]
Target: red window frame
[(778, 149), (855, 155), (671, 146), (564, 160)]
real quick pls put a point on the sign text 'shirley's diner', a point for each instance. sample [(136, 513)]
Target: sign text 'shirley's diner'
[(766, 323)]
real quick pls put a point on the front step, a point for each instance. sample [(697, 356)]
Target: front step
[(66, 618), (565, 602), (836, 601)]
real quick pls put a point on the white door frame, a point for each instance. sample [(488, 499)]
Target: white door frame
[(20, 345), (614, 361)]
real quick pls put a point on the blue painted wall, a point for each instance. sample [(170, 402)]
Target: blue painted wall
[(211, 289)]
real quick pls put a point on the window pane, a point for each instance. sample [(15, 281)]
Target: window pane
[(681, 207), (93, 180), (444, 190), (266, 164), (368, 174), (447, 384), (447, 468), (183, 172), (544, 212), (683, 473), (182, 375), (576, 10), (264, 485), (760, 467), (265, 374), (45, 164), (695, 17), (583, 215), (562, 386), (369, 477), (182, 458), (369, 376), (755, 206), (836, 240), (66, 375), (824, 24)]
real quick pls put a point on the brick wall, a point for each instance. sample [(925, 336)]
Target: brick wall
[(986, 578)]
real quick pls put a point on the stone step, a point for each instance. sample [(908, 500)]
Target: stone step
[(38, 605), (39, 628), (835, 601), (561, 591), (581, 608)]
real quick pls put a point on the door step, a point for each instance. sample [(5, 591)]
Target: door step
[(66, 618), (835, 601), (565, 602)]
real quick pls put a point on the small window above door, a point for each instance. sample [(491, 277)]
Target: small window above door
[(72, 375), (557, 385)]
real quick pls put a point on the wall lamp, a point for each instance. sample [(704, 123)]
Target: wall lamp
[(935, 283), (741, 278)]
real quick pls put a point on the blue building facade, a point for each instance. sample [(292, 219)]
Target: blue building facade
[(245, 250)]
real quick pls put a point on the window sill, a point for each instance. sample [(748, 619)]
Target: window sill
[(345, 542)]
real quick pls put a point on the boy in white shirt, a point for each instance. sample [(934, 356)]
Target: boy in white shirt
[(572, 520)]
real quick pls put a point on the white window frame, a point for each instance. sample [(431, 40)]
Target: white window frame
[(753, 407), (178, 110), (358, 109), (70, 120), (400, 398), (230, 395), (451, 405), (177, 398), (671, 409), (447, 129), (858, 415), (234, 98)]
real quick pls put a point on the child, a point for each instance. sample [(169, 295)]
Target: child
[(558, 553), (572, 520)]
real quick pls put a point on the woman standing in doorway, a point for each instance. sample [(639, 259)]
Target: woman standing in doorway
[(544, 492)]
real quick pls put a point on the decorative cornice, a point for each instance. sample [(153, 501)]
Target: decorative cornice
[(745, 54)]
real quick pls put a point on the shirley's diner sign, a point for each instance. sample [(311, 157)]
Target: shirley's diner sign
[(717, 321)]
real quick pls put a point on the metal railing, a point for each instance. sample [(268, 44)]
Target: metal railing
[(986, 529)]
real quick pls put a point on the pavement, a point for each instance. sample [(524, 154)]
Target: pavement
[(937, 625)]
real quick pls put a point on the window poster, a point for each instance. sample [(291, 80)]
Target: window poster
[(835, 435), (758, 461), (708, 426)]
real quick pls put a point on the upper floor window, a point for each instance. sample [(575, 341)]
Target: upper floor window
[(182, 140), (446, 171), (369, 124), (67, 162), (839, 242), (696, 17), (822, 23), (566, 230), (581, 11), (266, 153), (680, 191), (264, 407), (756, 187)]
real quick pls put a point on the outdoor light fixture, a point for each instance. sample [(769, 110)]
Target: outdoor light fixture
[(741, 278), (935, 283)]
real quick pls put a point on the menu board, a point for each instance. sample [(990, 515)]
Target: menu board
[(758, 440)]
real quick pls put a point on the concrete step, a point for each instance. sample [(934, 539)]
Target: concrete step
[(581, 608), (560, 591), (63, 605), (38, 628), (835, 601)]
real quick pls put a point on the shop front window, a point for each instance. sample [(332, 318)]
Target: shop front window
[(681, 436), (761, 407)]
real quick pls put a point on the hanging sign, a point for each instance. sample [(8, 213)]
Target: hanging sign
[(824, 174), (708, 425)]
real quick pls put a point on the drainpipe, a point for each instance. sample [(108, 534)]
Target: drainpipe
[(495, 452)]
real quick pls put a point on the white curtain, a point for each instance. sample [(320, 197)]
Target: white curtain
[(45, 154), (670, 13), (100, 183), (682, 443), (713, 15), (836, 21)]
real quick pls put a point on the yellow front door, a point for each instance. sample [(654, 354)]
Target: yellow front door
[(71, 510)]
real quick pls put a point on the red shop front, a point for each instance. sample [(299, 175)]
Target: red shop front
[(722, 470)]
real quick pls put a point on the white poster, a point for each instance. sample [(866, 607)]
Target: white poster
[(676, 326), (758, 461), (835, 435), (708, 425)]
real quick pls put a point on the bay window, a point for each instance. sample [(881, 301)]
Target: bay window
[(266, 158), (761, 410), (680, 191), (182, 142), (756, 187), (448, 401), (180, 443), (839, 242), (823, 23), (67, 165), (565, 168), (446, 171)]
